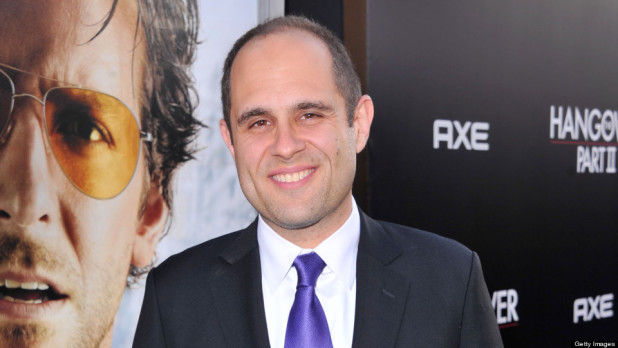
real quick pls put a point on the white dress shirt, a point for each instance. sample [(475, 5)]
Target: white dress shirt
[(335, 288)]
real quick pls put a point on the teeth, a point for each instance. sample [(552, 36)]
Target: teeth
[(30, 285), (17, 300), (12, 284), (292, 177)]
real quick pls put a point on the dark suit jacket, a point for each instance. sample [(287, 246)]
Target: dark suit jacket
[(413, 289)]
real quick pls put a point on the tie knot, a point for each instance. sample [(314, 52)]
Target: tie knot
[(308, 266)]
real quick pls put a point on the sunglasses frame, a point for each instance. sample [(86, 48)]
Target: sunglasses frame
[(4, 129)]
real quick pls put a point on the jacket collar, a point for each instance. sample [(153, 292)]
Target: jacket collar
[(381, 293), (237, 289)]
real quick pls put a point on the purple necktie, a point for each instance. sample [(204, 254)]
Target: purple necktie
[(307, 325)]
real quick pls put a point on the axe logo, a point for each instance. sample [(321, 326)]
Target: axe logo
[(471, 135), (598, 307)]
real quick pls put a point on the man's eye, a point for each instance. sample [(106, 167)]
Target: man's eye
[(81, 129), (308, 116), (84, 130), (259, 123)]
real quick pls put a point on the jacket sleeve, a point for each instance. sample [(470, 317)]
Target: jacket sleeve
[(149, 333), (478, 327)]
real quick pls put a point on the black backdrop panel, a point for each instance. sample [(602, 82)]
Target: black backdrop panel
[(496, 125), (326, 12)]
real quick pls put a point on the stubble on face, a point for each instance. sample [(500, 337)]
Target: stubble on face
[(20, 253), (323, 203), (284, 76), (56, 44), (21, 335), (16, 252)]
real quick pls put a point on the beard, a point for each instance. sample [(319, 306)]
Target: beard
[(16, 336), (86, 326)]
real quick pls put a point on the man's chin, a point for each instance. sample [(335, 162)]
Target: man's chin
[(24, 335), (294, 222), (39, 335)]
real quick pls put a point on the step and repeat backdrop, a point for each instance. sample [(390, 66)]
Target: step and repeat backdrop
[(497, 125)]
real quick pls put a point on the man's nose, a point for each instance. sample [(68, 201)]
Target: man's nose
[(25, 165), (287, 142)]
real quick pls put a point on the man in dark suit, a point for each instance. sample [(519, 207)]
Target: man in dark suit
[(312, 270)]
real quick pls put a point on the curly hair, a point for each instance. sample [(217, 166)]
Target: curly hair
[(167, 97)]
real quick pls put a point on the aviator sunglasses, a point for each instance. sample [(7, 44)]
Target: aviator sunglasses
[(95, 138)]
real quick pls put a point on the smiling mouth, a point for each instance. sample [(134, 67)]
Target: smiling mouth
[(293, 177), (28, 292)]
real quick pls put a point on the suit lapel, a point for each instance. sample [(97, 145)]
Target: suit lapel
[(381, 294), (237, 290)]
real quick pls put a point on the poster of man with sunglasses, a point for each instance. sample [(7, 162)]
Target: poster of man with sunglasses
[(96, 113)]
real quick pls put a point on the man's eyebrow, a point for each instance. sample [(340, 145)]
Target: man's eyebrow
[(306, 105), (313, 105), (245, 116)]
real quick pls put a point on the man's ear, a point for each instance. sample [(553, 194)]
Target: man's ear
[(227, 136), (363, 116), (150, 227)]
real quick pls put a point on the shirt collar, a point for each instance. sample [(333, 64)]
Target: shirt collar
[(338, 251)]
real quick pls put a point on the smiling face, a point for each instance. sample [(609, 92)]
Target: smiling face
[(294, 148), (64, 256)]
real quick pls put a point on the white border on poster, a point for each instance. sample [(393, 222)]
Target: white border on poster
[(270, 9)]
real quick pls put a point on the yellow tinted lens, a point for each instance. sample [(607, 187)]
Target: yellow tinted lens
[(6, 101), (95, 139)]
